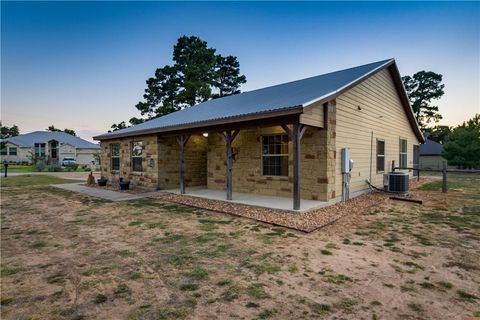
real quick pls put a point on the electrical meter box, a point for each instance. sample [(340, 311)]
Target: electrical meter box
[(347, 163)]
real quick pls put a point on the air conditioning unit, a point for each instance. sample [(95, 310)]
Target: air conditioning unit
[(396, 182)]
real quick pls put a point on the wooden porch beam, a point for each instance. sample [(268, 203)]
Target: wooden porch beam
[(296, 133), (182, 141), (228, 137)]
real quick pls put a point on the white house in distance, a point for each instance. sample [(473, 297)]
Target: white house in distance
[(54, 146)]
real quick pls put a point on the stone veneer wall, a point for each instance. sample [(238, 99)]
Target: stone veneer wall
[(195, 162), (160, 162), (148, 177), (317, 163)]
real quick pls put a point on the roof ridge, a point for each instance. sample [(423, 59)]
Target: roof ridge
[(318, 75)]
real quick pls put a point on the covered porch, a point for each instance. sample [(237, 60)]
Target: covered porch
[(236, 166), (251, 199)]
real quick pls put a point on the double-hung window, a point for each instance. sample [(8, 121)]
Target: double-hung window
[(137, 156), (380, 155), (403, 153), (275, 155), (115, 156), (39, 149), (12, 151)]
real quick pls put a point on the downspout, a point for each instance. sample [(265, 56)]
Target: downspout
[(371, 158)]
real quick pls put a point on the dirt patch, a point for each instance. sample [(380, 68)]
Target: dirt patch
[(68, 256)]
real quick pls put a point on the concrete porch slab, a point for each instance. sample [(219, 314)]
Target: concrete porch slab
[(271, 202), (102, 193)]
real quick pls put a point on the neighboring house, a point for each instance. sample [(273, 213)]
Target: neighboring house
[(52, 146), (282, 140), (431, 155)]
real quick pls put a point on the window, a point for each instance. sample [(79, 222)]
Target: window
[(12, 151), (137, 151), (115, 155), (3, 152), (275, 155), (380, 155), (403, 153), (40, 149)]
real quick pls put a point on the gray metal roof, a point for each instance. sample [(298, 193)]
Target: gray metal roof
[(431, 148), (294, 94), (29, 139)]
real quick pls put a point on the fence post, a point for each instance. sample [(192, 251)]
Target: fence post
[(444, 184), (393, 165)]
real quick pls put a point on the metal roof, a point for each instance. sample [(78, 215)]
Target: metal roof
[(29, 139), (431, 148), (284, 96), (288, 98)]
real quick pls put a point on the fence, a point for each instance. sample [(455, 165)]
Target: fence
[(444, 171)]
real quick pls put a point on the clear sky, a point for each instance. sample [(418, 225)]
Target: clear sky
[(83, 65)]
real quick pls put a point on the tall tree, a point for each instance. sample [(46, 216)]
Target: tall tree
[(8, 132), (438, 133), (52, 128), (70, 132), (194, 63), (227, 76), (196, 73), (422, 88), (118, 126), (462, 147)]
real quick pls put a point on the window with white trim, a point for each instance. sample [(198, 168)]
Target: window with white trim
[(275, 155), (12, 151), (115, 156), (403, 153), (39, 149), (380, 155), (137, 156)]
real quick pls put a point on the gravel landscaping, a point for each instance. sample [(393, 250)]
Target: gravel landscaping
[(306, 222)]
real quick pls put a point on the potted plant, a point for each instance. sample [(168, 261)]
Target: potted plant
[(102, 182), (124, 185)]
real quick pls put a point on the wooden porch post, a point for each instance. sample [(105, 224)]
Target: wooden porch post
[(182, 141), (296, 134), (228, 136)]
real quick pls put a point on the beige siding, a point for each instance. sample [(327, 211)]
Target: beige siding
[(371, 106), (313, 115)]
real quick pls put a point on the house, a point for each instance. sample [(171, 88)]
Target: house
[(52, 146), (431, 155), (283, 141)]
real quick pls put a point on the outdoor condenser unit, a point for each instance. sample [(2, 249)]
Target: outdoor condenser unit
[(396, 182)]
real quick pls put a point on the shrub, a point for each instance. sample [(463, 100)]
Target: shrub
[(54, 167), (71, 167), (85, 167), (39, 166)]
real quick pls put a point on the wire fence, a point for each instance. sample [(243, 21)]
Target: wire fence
[(416, 171)]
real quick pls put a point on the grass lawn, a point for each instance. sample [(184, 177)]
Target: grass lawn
[(18, 168), (28, 168), (69, 256)]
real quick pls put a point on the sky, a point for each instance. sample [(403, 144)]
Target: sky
[(83, 65)]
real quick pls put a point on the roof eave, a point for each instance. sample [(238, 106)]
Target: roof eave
[(203, 124)]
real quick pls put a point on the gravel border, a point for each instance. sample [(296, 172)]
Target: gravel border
[(305, 222)]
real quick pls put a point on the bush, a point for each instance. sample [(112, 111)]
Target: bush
[(54, 167), (71, 167), (85, 167), (39, 166)]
